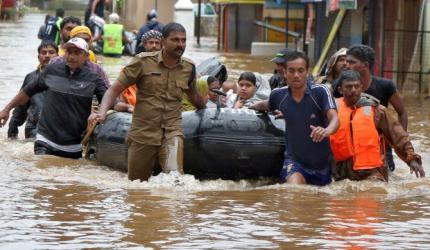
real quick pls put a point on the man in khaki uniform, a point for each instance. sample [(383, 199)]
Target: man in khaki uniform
[(156, 131)]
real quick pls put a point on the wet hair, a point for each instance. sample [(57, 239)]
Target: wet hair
[(45, 44), (70, 19), (296, 54), (170, 27), (211, 79), (59, 12), (363, 53), (348, 75), (248, 76)]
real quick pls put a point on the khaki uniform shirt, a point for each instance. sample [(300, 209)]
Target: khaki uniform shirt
[(157, 113)]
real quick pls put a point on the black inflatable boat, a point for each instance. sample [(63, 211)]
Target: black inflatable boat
[(222, 143)]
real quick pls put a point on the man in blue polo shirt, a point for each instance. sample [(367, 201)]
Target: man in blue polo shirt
[(310, 116)]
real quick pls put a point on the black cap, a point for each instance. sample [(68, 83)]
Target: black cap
[(280, 56)]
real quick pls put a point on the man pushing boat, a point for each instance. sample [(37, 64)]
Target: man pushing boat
[(156, 131)]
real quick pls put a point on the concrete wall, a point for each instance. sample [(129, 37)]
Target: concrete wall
[(134, 11)]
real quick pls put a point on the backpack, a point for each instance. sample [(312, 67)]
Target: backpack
[(51, 30)]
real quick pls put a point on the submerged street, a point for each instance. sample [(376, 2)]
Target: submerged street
[(53, 203)]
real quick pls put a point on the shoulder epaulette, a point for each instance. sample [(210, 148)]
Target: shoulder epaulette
[(146, 54)]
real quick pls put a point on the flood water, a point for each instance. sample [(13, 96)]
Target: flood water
[(53, 203)]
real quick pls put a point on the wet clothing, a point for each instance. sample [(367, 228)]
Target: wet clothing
[(277, 81), (393, 134), (357, 137), (320, 178), (29, 112), (44, 148), (68, 100), (157, 116), (141, 156), (94, 67), (311, 110), (383, 89), (159, 96)]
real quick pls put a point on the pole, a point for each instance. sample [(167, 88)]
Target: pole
[(420, 77), (305, 33), (199, 14), (382, 64), (286, 23)]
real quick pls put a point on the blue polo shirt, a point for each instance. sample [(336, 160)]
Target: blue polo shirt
[(311, 110)]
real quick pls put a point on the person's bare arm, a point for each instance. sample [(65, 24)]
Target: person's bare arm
[(93, 7), (319, 133), (20, 99), (196, 99), (262, 106), (108, 99), (398, 105)]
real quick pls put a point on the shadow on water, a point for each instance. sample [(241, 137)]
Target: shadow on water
[(54, 203)]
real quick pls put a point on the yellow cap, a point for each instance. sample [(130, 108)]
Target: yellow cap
[(80, 29)]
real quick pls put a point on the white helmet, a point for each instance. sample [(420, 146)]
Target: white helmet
[(114, 18)]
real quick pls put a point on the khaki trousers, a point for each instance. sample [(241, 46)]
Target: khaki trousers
[(142, 158)]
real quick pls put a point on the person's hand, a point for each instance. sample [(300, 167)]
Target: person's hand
[(130, 109), (417, 168), (4, 116), (238, 104), (278, 114), (96, 117), (318, 133)]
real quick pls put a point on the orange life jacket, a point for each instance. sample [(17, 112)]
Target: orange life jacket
[(129, 95), (357, 137)]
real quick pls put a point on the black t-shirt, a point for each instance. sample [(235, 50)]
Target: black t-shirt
[(382, 89), (68, 100), (100, 7)]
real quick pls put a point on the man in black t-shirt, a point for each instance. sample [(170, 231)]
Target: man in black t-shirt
[(69, 87), (361, 59)]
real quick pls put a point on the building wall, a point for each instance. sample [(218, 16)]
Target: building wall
[(238, 30), (134, 11)]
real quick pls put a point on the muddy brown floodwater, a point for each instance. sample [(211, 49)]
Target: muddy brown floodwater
[(52, 203)]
